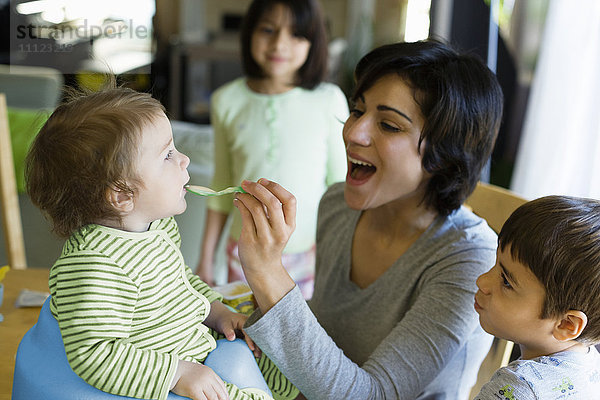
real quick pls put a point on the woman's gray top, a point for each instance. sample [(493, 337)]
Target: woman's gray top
[(413, 333)]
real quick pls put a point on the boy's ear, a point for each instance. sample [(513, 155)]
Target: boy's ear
[(122, 201), (570, 326)]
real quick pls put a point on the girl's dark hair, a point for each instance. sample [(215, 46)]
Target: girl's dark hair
[(558, 239), (307, 22), (88, 146), (461, 102)]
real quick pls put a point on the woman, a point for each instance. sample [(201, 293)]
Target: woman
[(397, 257)]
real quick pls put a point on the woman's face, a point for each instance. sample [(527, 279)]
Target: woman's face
[(381, 137)]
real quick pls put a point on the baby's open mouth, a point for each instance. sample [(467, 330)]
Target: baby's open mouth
[(360, 170)]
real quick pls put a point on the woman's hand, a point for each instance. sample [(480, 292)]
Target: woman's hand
[(198, 382), (269, 217), (268, 214)]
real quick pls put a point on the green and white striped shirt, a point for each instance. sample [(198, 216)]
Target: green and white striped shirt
[(129, 308)]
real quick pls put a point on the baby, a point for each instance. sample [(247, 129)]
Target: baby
[(544, 294), (134, 319)]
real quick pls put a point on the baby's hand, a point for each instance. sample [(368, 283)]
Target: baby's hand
[(229, 323), (198, 382), (233, 326)]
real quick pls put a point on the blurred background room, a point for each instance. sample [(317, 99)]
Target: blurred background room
[(546, 54)]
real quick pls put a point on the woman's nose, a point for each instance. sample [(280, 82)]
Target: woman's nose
[(357, 131)]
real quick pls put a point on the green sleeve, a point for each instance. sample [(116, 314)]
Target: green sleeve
[(202, 287)]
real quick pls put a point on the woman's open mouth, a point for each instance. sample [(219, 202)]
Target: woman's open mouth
[(360, 171)]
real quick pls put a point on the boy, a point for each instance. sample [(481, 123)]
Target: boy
[(544, 294), (134, 319)]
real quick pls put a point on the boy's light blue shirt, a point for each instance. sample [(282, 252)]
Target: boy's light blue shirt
[(566, 375)]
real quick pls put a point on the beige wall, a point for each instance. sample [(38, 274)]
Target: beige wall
[(390, 20), (334, 11), (216, 8), (388, 24)]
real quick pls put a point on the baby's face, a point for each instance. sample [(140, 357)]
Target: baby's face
[(163, 173), (509, 302)]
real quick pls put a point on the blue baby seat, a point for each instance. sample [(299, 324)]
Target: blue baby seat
[(42, 371)]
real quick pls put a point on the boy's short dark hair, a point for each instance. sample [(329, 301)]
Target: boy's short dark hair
[(88, 146), (307, 22), (461, 102), (558, 239)]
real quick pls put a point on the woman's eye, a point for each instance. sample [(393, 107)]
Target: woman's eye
[(169, 155), (389, 128), (266, 29), (356, 112)]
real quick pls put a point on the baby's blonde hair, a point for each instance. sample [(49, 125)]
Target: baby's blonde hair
[(88, 146)]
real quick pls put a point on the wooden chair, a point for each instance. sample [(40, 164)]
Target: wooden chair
[(9, 200), (25, 88), (494, 204)]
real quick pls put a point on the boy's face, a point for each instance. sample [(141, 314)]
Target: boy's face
[(162, 171), (509, 302)]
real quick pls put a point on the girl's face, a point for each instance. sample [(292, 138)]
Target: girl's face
[(162, 172), (276, 48), (381, 137)]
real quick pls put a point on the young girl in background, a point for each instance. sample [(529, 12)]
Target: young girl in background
[(280, 121)]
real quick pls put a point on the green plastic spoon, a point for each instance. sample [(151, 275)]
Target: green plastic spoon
[(204, 191)]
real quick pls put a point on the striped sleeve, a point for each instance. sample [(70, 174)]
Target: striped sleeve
[(202, 287), (95, 325)]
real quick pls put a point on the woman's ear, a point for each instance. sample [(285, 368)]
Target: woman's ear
[(570, 326), (121, 200)]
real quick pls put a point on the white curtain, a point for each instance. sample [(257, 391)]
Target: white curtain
[(559, 151)]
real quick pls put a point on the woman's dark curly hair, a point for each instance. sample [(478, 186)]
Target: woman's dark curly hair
[(461, 102)]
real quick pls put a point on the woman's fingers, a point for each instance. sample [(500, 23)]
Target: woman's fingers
[(249, 342), (286, 199), (265, 231), (251, 345), (248, 224), (271, 206), (255, 213), (280, 204)]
